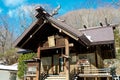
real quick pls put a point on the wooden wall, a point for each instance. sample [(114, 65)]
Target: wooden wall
[(99, 57), (46, 62)]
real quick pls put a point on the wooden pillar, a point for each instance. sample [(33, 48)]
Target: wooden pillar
[(96, 57), (84, 78), (67, 64), (31, 78), (53, 66), (95, 78), (108, 78), (38, 64)]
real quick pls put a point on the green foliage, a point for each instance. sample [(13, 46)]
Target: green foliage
[(22, 66), (117, 37), (118, 51), (117, 42)]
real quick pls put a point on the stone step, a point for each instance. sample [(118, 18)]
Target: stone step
[(55, 77)]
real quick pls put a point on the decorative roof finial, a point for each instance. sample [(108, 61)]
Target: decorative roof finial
[(55, 11)]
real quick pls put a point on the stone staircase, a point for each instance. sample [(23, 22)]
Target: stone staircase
[(56, 77)]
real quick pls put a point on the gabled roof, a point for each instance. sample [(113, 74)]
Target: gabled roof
[(40, 25), (99, 35), (65, 28), (45, 22)]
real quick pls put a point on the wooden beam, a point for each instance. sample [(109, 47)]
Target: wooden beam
[(47, 48), (32, 61), (62, 30), (67, 64), (38, 65)]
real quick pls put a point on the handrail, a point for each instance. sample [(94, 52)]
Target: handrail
[(93, 71)]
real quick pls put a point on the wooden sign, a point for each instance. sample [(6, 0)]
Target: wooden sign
[(51, 41)]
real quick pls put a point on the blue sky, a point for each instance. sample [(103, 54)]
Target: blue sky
[(7, 6), (11, 8)]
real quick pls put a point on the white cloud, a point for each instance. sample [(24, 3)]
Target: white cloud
[(10, 13), (25, 9), (0, 10), (13, 2)]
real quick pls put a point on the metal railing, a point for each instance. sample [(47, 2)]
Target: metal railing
[(81, 73), (103, 72), (95, 71)]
